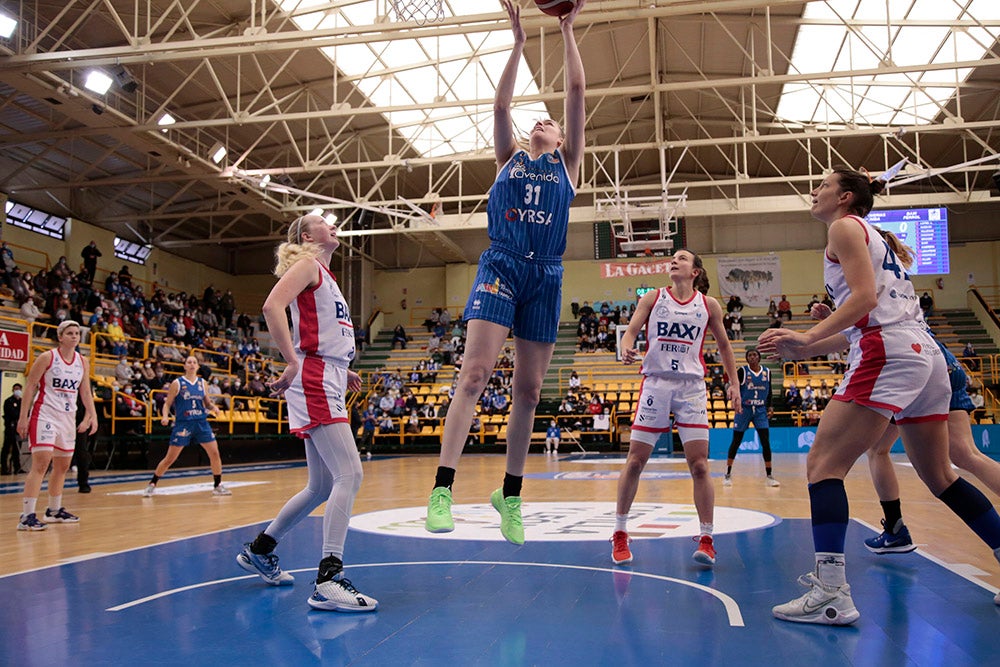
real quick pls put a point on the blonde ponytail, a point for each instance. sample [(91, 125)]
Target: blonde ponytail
[(294, 249)]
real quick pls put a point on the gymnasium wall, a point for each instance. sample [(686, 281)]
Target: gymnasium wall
[(801, 274)]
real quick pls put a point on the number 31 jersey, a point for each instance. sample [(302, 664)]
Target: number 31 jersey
[(528, 206), (675, 334)]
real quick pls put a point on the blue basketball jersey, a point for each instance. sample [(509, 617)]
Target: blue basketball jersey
[(528, 207), (755, 388), (190, 401)]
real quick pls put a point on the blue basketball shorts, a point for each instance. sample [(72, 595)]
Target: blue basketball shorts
[(956, 375), (519, 293), (187, 431), (756, 414)]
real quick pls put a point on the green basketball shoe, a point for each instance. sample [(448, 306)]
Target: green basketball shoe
[(439, 511), (511, 526)]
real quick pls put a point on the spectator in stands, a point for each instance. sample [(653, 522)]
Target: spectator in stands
[(836, 359), (368, 428), (823, 394), (413, 423), (123, 371), (793, 399), (978, 403), (574, 382), (257, 386), (970, 357), (499, 403), (433, 319), (603, 340), (602, 422), (736, 324), (6, 256), (828, 301), (927, 304), (567, 407), (552, 436), (227, 307), (244, 325), (90, 255), (812, 302), (386, 403), (399, 336), (734, 305), (585, 310), (127, 405), (784, 308), (29, 310), (710, 356), (596, 405), (387, 425), (444, 319), (10, 454), (772, 310)]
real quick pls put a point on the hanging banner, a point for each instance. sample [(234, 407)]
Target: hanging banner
[(634, 269), (753, 279), (13, 346)]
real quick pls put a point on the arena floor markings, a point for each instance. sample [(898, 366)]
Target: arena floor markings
[(478, 602)]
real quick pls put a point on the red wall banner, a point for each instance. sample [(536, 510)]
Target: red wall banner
[(634, 269), (13, 346)]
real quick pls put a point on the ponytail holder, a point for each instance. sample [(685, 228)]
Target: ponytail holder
[(865, 172)]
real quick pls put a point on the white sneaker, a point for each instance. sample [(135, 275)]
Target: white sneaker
[(727, 480), (827, 605), (150, 490), (265, 565), (340, 595), (221, 490), (770, 481)]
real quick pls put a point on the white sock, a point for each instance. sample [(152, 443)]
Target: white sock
[(55, 503), (707, 528), (28, 506), (621, 520), (831, 569)]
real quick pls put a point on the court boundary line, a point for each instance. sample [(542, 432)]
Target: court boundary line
[(733, 613)]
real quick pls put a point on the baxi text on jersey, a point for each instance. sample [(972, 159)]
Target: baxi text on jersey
[(67, 384), (342, 312), (678, 330), (529, 215)]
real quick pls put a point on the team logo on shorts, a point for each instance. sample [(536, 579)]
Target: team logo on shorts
[(496, 288)]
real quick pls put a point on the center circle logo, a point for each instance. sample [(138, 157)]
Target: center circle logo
[(564, 522)]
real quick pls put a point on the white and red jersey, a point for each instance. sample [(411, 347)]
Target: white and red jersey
[(675, 334), (322, 322), (897, 302), (58, 388)]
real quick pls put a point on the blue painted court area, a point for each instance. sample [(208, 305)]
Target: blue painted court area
[(491, 603)]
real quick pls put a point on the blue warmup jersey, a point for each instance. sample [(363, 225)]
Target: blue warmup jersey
[(190, 401), (755, 395), (519, 279), (192, 418), (528, 206)]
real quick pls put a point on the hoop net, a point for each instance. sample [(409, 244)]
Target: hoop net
[(419, 11)]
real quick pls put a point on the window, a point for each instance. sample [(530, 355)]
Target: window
[(131, 251), (41, 222)]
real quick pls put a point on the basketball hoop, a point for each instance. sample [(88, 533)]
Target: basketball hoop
[(420, 12)]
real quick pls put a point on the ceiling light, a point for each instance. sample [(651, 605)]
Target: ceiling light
[(217, 152), (7, 26), (316, 211), (97, 81), (166, 119), (331, 219), (264, 181)]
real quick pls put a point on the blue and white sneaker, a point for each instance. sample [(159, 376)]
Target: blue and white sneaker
[(265, 565), (341, 595), (895, 542), (60, 516), (30, 522)]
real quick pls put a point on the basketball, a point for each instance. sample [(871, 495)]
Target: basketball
[(556, 7)]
